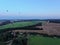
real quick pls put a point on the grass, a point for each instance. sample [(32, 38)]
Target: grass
[(38, 40), (18, 24)]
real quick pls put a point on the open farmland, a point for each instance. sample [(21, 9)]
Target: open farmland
[(46, 36), (19, 24), (52, 28), (39, 40), (48, 28)]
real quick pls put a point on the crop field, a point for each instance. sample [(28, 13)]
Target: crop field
[(19, 24), (39, 40)]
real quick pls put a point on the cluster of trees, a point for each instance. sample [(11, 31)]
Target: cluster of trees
[(22, 40), (6, 36)]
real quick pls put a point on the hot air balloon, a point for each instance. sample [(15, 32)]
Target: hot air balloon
[(6, 10)]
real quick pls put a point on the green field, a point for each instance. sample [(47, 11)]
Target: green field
[(39, 40), (18, 24)]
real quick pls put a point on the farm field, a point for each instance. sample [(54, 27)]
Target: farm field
[(19, 24), (35, 39), (39, 40)]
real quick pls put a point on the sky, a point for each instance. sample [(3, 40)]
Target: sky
[(29, 9)]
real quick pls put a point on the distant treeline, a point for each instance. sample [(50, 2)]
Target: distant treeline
[(54, 21), (4, 22)]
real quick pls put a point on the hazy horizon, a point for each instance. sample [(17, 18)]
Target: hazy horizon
[(29, 9)]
